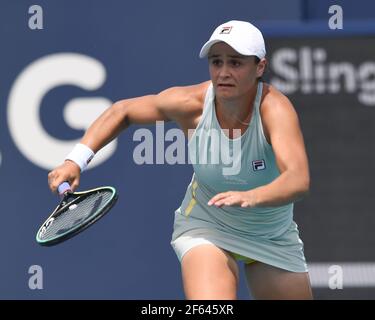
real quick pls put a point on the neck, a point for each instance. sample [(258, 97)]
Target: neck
[(236, 113)]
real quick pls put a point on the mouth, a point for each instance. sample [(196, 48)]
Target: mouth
[(225, 85)]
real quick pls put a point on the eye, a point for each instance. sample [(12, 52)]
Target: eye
[(216, 62), (235, 63)]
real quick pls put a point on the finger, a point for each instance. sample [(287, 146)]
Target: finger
[(57, 181), (227, 201), (218, 197), (244, 204), (51, 182), (55, 184), (51, 174), (235, 201), (74, 185), (50, 177)]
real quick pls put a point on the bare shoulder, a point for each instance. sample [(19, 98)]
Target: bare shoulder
[(277, 113), (177, 102), (275, 103)]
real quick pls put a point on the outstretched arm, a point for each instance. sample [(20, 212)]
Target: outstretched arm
[(174, 104), (141, 110)]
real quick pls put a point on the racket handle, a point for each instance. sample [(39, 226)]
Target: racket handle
[(64, 188)]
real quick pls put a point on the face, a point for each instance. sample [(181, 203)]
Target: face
[(232, 74)]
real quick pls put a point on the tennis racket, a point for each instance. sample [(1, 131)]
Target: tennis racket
[(76, 212)]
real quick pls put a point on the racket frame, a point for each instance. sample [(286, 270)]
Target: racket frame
[(81, 227)]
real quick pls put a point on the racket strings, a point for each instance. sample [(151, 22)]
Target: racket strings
[(76, 214)]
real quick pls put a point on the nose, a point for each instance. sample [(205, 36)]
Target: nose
[(224, 71)]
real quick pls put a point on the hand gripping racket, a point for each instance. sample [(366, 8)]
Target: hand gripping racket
[(76, 212)]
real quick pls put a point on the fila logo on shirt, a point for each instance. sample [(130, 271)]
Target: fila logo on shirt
[(259, 165), (225, 30)]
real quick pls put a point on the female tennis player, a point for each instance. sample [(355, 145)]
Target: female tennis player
[(241, 206)]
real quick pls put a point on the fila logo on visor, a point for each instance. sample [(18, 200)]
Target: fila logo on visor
[(259, 165), (225, 30)]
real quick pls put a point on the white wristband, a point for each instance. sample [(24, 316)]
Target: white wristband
[(81, 155)]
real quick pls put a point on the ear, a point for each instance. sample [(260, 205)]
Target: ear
[(261, 66)]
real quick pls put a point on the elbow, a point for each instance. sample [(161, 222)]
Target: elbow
[(119, 107), (304, 187), (119, 110)]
